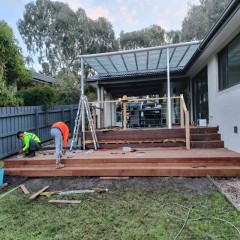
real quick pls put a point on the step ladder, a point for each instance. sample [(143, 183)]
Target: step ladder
[(76, 134)]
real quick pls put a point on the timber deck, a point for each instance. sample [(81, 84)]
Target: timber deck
[(142, 162), (159, 152)]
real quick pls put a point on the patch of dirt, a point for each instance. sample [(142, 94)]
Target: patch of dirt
[(188, 186), (14, 181)]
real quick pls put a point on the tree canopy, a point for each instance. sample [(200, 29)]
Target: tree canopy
[(201, 18), (12, 68), (148, 37), (61, 35)]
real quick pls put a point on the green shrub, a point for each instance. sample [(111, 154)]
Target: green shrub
[(38, 96), (7, 97)]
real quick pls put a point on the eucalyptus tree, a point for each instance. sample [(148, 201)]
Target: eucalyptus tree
[(173, 36), (60, 35), (201, 18), (147, 37)]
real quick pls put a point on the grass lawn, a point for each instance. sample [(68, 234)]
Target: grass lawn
[(120, 214)]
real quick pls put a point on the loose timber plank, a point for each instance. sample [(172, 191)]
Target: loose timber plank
[(64, 201), (24, 189), (5, 194), (38, 193)]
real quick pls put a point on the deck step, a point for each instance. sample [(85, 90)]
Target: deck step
[(129, 165), (225, 160), (207, 144), (126, 171), (205, 137), (201, 137)]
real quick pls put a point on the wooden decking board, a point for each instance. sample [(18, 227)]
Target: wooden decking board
[(133, 171), (207, 144), (205, 137), (194, 130), (137, 145), (130, 165), (125, 159), (138, 140), (137, 136)]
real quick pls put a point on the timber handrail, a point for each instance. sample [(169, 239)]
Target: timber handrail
[(184, 113)]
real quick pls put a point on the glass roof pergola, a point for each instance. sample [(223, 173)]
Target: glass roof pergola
[(141, 61), (144, 61)]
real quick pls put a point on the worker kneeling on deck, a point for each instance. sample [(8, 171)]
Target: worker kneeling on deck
[(31, 143), (60, 132)]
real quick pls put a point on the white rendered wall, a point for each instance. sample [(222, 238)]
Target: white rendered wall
[(109, 112), (224, 108)]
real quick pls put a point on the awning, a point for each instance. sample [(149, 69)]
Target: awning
[(144, 61)]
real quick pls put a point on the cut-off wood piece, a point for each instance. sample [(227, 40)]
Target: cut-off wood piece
[(24, 189), (114, 178), (38, 193), (64, 201), (75, 192)]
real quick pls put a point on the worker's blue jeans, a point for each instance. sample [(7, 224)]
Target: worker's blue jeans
[(57, 136), (34, 146)]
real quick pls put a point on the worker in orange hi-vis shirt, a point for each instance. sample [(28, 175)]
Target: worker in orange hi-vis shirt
[(60, 132)]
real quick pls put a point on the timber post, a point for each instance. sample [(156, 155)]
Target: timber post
[(124, 100)]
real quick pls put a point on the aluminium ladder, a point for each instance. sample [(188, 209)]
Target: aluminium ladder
[(83, 103)]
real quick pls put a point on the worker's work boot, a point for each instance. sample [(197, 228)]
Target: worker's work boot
[(59, 166), (27, 153), (31, 154)]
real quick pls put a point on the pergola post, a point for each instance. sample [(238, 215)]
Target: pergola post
[(83, 107), (124, 100), (169, 122)]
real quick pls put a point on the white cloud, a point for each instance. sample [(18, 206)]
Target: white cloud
[(101, 12), (128, 16)]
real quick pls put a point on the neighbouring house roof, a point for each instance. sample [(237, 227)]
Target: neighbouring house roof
[(42, 78)]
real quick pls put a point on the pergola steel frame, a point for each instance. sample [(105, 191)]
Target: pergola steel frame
[(122, 64)]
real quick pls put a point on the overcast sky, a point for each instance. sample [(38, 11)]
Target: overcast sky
[(126, 15)]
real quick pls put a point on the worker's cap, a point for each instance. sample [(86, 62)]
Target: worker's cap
[(19, 134)]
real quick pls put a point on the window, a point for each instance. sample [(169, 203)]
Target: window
[(229, 65)]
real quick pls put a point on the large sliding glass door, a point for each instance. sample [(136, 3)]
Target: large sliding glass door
[(200, 95)]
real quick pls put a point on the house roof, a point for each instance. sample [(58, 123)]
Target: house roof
[(42, 78)]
